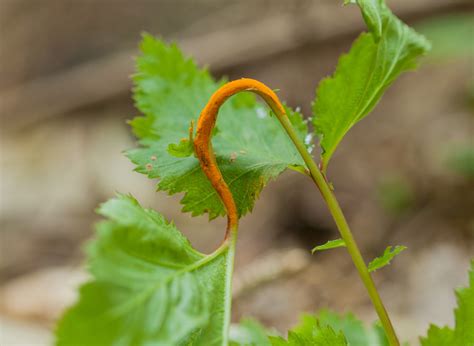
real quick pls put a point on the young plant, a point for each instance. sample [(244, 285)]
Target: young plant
[(150, 286)]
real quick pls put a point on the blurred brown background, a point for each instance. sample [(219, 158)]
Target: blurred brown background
[(403, 176)]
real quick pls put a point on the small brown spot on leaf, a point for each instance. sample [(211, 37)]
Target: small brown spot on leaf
[(153, 158), (233, 156), (149, 166)]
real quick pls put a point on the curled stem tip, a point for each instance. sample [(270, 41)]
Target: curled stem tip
[(203, 145), (205, 154)]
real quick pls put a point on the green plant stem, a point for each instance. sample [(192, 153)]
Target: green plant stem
[(231, 243), (344, 230)]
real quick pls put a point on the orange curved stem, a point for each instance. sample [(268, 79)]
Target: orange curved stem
[(205, 154), (203, 145)]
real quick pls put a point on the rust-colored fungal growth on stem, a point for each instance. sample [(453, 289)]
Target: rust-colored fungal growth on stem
[(203, 145)]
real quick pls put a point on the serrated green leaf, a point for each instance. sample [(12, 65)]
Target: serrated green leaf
[(311, 332), (353, 329), (328, 328), (375, 60), (439, 337), (248, 333), (387, 256), (251, 147), (150, 286), (463, 332), (331, 244)]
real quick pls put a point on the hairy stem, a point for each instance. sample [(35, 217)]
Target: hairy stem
[(205, 154)]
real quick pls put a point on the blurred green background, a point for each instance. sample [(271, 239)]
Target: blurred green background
[(405, 175)]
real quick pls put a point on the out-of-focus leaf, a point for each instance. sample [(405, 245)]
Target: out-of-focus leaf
[(461, 160), (463, 332), (248, 333), (353, 329), (395, 194), (310, 332), (451, 35)]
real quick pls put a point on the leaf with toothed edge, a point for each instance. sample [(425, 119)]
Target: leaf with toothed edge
[(310, 332), (327, 328), (149, 286), (463, 332), (374, 61), (251, 147), (384, 260), (354, 330)]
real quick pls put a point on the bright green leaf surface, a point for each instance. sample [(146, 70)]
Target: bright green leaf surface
[(439, 337), (311, 332), (328, 328), (251, 146), (184, 148), (387, 256), (463, 332), (331, 244), (150, 286), (375, 60)]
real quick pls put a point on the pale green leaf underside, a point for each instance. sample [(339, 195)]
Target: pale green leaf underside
[(149, 287), (331, 244), (375, 60), (463, 332), (387, 256), (248, 333), (251, 146)]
